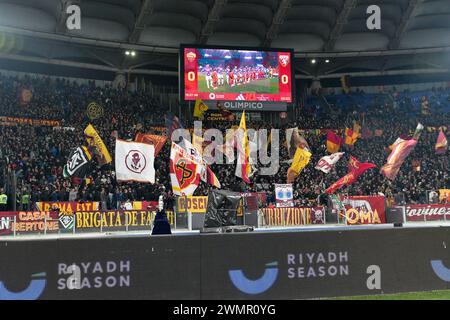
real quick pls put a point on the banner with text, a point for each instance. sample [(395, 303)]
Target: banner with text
[(427, 212), (364, 209), (275, 217)]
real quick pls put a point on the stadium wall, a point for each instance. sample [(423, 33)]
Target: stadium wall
[(285, 265)]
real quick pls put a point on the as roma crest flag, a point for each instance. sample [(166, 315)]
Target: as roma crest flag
[(135, 161), (355, 169), (186, 166), (441, 143), (157, 141), (333, 142)]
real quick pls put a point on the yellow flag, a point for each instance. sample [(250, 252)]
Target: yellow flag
[(93, 139), (243, 167), (199, 109), (301, 159)]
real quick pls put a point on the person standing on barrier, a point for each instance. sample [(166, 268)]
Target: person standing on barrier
[(161, 224), (3, 200)]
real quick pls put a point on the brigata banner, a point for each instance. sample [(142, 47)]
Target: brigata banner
[(364, 209), (275, 217), (68, 206), (28, 222), (427, 212)]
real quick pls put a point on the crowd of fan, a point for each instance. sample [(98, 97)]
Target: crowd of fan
[(38, 153)]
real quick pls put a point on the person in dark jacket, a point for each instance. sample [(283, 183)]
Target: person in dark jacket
[(161, 224)]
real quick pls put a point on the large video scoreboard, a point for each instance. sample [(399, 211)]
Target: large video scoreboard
[(236, 74)]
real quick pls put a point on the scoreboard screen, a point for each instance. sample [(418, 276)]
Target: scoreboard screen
[(229, 73)]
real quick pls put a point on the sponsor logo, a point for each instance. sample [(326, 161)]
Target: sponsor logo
[(212, 96), (441, 270), (191, 56), (300, 266), (284, 59), (317, 265), (257, 286), (135, 161), (94, 275), (427, 210), (240, 97), (33, 292)]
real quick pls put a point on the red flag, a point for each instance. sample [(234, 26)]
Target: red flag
[(441, 143), (157, 141), (397, 157), (355, 169)]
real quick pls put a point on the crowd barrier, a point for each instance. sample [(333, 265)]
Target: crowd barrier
[(268, 265)]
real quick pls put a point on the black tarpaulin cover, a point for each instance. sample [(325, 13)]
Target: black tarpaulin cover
[(222, 208)]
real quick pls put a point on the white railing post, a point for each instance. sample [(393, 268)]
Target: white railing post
[(45, 224), (15, 226), (101, 222), (126, 222)]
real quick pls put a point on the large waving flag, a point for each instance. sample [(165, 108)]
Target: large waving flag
[(441, 143), (157, 141), (352, 135), (78, 164), (397, 157), (135, 161), (326, 163), (186, 168), (243, 167), (333, 142), (96, 143), (301, 159), (294, 140), (355, 169)]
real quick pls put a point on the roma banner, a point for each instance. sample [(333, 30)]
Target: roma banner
[(28, 222), (157, 141), (277, 217), (364, 209), (135, 161), (186, 167), (284, 195), (427, 212), (68, 206)]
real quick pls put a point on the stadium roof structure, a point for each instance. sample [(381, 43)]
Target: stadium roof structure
[(34, 31)]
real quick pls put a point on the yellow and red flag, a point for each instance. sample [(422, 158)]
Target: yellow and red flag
[(333, 142), (243, 168)]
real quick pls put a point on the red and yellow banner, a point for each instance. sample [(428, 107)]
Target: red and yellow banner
[(68, 206), (33, 122), (277, 217)]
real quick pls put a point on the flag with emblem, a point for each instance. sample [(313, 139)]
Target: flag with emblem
[(96, 143), (135, 161), (441, 143), (186, 168), (79, 163)]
